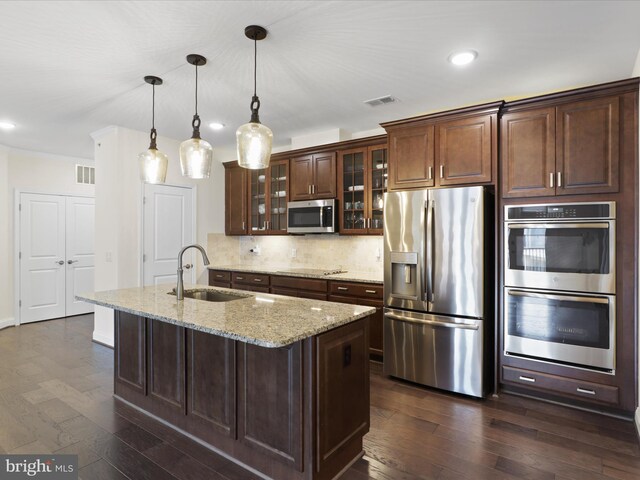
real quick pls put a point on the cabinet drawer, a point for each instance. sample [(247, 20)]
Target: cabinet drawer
[(218, 276), (363, 290), (250, 288), (567, 386), (312, 284), (250, 278)]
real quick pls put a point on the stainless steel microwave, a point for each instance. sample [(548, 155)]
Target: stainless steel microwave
[(312, 216)]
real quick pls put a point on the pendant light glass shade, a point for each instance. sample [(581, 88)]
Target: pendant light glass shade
[(153, 166), (196, 155), (253, 139), (153, 163), (254, 145)]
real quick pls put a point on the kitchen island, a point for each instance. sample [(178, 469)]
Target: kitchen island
[(278, 384)]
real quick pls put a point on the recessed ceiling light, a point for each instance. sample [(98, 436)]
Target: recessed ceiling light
[(216, 126), (463, 58), (7, 125)]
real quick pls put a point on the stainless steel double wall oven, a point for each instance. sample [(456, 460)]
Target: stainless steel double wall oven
[(560, 283)]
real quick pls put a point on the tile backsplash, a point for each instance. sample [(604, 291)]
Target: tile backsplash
[(351, 253)]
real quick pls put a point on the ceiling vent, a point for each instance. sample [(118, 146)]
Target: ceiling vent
[(85, 174), (376, 102)]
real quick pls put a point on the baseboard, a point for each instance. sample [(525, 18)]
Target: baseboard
[(106, 340), (7, 322)]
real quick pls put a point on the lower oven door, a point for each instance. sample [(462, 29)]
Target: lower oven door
[(578, 330), (435, 350)]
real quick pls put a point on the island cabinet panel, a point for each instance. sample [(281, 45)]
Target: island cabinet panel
[(465, 150), (411, 157), (270, 395), (166, 364), (131, 351), (211, 383), (528, 153), (220, 278), (587, 146), (343, 392), (311, 288)]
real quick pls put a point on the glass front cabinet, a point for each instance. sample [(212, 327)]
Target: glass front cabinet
[(363, 181), (268, 196)]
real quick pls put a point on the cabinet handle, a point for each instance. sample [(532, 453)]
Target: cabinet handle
[(370, 291), (72, 261), (559, 179), (441, 171), (257, 279), (343, 288), (527, 379), (309, 189), (239, 278), (313, 189), (243, 225), (588, 391), (264, 225), (368, 223), (219, 276), (430, 173), (551, 177)]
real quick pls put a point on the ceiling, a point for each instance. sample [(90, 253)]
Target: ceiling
[(71, 68)]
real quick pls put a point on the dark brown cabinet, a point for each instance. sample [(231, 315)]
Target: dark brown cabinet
[(457, 147), (313, 176), (220, 278), (255, 282), (411, 157), (568, 149), (363, 294), (465, 150), (235, 199), (268, 196), (363, 181), (292, 413)]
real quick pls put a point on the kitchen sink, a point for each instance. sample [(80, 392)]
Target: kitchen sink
[(212, 295)]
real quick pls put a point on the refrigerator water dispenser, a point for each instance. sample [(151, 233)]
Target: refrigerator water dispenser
[(404, 275)]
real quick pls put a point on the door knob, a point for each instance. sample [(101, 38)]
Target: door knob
[(60, 262), (188, 266), (72, 261)]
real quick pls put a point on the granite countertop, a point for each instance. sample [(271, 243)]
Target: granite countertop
[(259, 318), (362, 277)]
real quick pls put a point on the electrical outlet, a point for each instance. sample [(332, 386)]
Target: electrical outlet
[(108, 257), (294, 252), (378, 254), (255, 250)]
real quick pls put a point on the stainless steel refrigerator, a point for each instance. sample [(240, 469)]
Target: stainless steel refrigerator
[(435, 281)]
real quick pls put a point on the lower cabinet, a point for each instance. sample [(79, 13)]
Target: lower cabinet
[(559, 385), (369, 294), (293, 413)]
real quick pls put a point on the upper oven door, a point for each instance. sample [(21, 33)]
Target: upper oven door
[(577, 257)]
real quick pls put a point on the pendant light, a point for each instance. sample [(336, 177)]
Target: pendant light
[(254, 139), (196, 154), (153, 163)]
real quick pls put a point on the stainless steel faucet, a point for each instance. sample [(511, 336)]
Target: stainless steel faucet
[(180, 287)]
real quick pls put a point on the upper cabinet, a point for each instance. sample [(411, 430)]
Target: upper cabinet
[(363, 181), (457, 147), (313, 176), (235, 199), (567, 149), (411, 154), (464, 150), (268, 196)]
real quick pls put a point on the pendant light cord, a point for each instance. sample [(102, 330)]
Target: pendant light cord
[(195, 123), (255, 101), (196, 89), (153, 135)]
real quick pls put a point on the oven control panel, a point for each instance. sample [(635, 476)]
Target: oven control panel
[(563, 211)]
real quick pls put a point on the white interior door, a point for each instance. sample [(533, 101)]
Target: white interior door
[(167, 227), (79, 253), (42, 257)]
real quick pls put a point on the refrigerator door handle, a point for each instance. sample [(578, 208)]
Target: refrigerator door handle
[(433, 323), (429, 251)]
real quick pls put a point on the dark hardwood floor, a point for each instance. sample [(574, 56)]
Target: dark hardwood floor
[(55, 396)]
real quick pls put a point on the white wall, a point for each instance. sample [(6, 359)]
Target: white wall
[(28, 171), (119, 211)]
